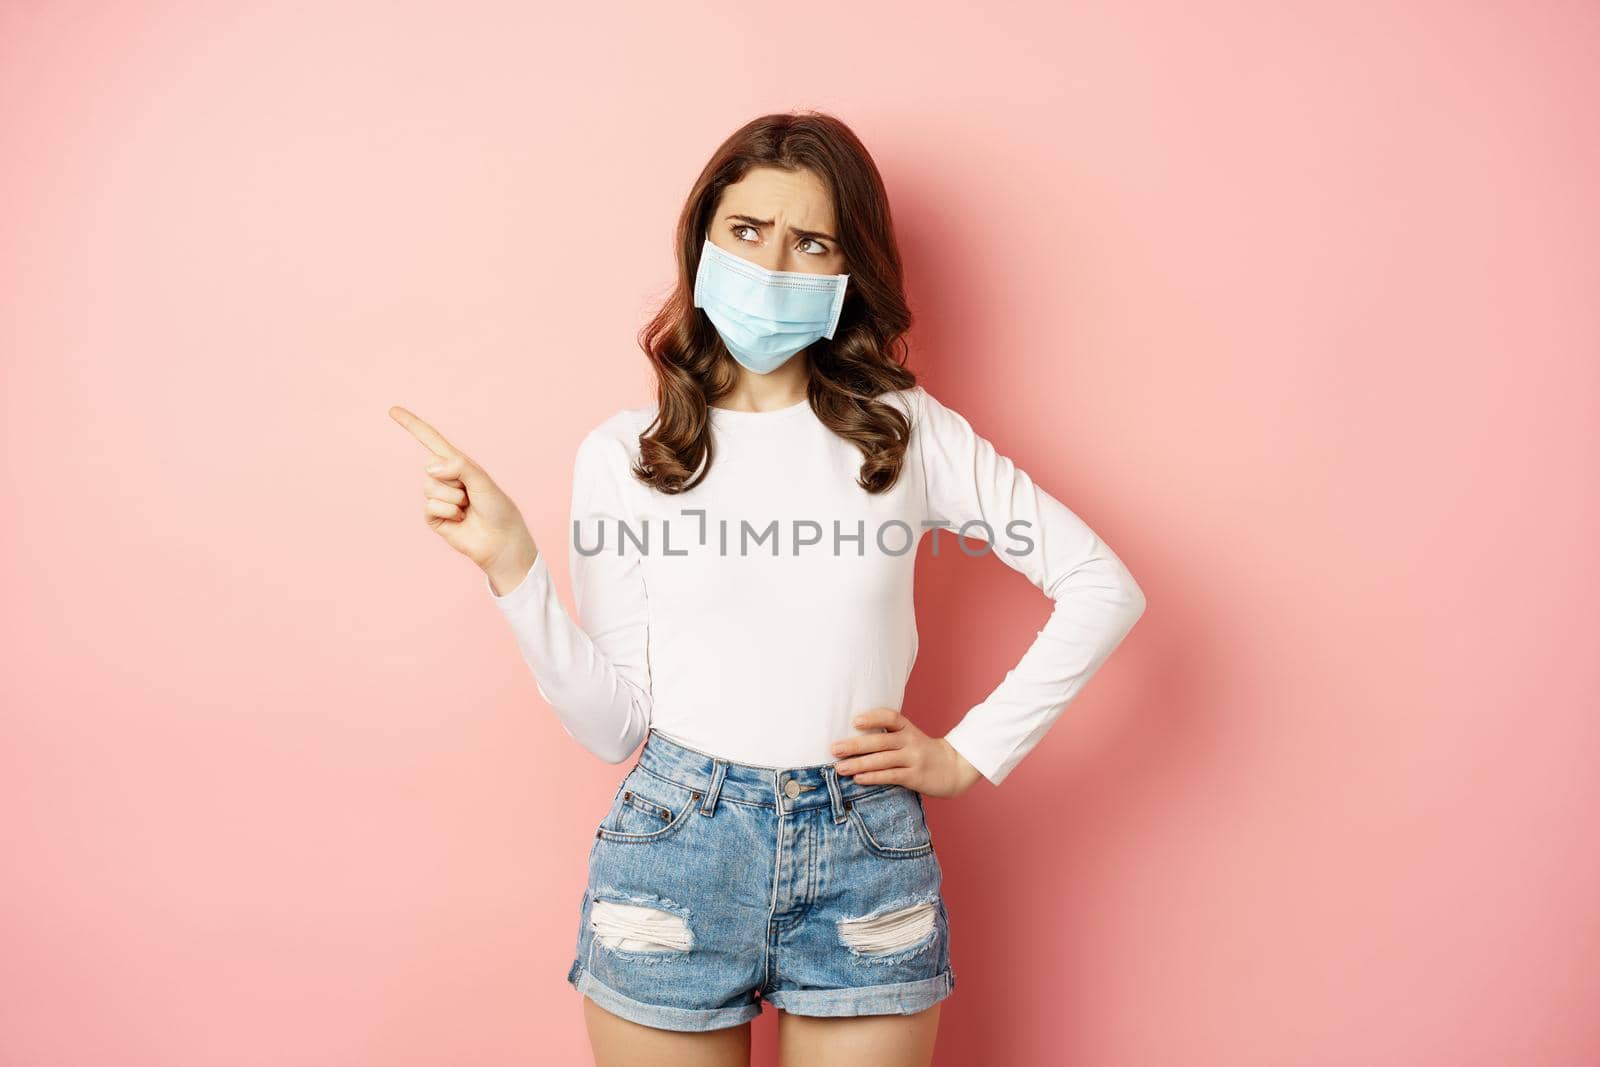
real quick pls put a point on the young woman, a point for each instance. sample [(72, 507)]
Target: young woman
[(742, 566)]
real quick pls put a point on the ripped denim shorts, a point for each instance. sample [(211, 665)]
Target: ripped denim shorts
[(714, 885)]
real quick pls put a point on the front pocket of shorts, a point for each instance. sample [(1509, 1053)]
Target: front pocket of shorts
[(890, 823), (648, 809)]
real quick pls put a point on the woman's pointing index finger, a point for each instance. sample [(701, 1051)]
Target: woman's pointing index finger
[(423, 432)]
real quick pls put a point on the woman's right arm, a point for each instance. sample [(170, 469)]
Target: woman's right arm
[(597, 676)]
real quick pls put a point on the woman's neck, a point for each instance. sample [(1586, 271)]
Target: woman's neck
[(783, 388)]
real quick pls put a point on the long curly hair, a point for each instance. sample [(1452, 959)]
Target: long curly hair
[(865, 357)]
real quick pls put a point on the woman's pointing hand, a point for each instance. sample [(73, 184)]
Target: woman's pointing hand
[(463, 505)]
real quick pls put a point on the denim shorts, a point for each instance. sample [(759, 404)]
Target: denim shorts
[(715, 885)]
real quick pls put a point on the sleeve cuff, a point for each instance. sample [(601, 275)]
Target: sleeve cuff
[(971, 749), (533, 584)]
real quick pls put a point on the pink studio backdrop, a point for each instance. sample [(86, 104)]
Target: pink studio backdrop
[(1296, 304)]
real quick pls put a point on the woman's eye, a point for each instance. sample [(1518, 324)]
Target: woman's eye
[(821, 249)]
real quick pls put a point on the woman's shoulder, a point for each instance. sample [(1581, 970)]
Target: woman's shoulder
[(612, 444), (623, 426), (926, 411), (916, 399), (905, 400)]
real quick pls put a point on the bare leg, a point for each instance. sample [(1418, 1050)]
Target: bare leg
[(881, 1040), (620, 1042)]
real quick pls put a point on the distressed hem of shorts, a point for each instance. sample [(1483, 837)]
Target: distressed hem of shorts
[(898, 998), (657, 1015)]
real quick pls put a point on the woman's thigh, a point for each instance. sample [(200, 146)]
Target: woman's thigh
[(879, 1040), (619, 1042)]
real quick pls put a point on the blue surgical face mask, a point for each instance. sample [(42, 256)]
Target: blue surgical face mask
[(765, 316)]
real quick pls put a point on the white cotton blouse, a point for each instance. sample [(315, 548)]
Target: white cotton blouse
[(753, 616)]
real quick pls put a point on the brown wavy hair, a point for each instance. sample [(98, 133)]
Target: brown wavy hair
[(865, 357)]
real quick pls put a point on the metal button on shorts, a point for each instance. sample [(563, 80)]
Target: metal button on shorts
[(715, 885)]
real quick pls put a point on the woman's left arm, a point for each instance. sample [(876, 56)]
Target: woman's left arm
[(1096, 600)]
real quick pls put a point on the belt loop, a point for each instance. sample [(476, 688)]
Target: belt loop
[(719, 771), (834, 795)]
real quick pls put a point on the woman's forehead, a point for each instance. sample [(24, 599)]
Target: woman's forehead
[(800, 196)]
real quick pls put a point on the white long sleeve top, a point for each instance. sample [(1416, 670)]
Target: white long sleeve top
[(754, 616)]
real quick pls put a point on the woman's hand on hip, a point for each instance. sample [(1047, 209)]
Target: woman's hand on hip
[(903, 755), (463, 505)]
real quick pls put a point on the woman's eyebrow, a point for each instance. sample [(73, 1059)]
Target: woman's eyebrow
[(753, 221)]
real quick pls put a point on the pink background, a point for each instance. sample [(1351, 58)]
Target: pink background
[(1296, 304)]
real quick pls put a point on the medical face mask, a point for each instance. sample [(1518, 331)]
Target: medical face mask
[(765, 316)]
